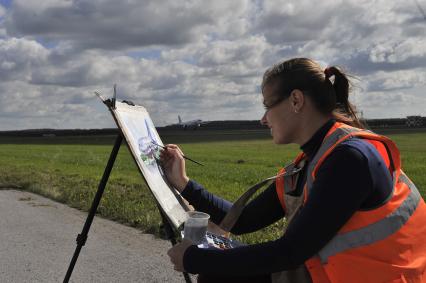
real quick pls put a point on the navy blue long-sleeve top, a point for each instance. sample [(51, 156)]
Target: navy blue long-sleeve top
[(349, 180)]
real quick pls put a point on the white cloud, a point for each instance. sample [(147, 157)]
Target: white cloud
[(399, 51), (108, 24), (196, 58), (364, 35), (404, 79), (2, 11), (19, 57), (401, 104)]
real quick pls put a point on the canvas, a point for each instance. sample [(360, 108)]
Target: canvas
[(143, 140)]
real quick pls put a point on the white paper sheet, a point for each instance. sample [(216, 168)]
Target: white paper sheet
[(141, 136)]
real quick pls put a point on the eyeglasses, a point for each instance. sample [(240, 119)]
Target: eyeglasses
[(273, 104)]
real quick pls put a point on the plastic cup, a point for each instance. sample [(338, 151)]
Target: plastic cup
[(196, 226)]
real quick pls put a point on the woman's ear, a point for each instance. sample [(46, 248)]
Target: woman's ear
[(297, 100)]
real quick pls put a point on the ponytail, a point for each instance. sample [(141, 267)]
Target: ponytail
[(328, 89), (344, 111)]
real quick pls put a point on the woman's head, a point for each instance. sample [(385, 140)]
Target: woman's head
[(304, 79)]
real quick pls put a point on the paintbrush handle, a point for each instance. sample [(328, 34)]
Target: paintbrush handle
[(196, 162), (187, 158)]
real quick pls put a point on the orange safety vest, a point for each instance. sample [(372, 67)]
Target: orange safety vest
[(385, 244)]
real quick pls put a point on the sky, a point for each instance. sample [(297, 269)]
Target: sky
[(199, 59)]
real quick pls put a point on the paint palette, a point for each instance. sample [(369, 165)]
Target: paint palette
[(219, 242)]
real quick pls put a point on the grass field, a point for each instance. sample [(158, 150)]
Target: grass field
[(69, 169)]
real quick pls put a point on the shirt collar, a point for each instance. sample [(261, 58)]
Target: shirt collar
[(311, 147)]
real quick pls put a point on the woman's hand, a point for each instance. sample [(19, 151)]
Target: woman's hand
[(176, 254), (174, 166)]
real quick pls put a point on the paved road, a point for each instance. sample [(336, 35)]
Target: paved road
[(37, 240)]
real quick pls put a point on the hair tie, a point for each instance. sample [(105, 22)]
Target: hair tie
[(328, 72)]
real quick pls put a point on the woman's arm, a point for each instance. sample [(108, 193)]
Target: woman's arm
[(262, 211), (265, 208), (343, 183)]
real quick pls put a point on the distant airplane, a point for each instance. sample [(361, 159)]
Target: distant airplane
[(193, 124)]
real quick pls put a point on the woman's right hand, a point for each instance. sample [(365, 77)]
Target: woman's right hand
[(173, 164)]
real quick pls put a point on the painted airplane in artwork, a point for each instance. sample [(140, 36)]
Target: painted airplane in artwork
[(148, 146)]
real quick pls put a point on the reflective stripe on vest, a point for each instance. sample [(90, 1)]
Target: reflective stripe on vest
[(376, 231), (287, 182), (328, 142), (384, 244)]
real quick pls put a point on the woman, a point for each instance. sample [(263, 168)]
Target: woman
[(360, 219)]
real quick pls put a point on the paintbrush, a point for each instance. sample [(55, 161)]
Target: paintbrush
[(184, 156)]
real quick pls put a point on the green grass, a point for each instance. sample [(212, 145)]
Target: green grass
[(69, 170), (413, 156)]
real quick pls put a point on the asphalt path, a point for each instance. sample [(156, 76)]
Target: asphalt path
[(37, 241)]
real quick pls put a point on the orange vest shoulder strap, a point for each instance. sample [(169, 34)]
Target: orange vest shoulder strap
[(384, 145)]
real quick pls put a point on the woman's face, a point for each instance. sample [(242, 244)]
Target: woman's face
[(279, 116)]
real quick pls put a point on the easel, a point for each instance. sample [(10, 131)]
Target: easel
[(82, 237)]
